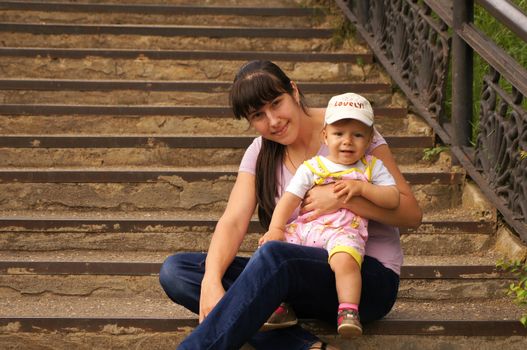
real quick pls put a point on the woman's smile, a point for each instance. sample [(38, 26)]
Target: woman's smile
[(281, 131)]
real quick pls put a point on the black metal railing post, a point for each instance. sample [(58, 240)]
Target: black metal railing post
[(462, 75)]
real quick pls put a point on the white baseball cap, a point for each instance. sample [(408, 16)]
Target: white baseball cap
[(349, 106)]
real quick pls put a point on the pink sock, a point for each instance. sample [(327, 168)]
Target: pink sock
[(346, 306)]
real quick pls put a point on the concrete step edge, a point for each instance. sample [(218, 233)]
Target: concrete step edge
[(471, 328), (143, 176), (180, 86), (165, 9), (172, 141), (146, 110), (122, 224), (168, 30), (333, 57), (88, 267)]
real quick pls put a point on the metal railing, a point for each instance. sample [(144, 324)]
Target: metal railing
[(412, 40)]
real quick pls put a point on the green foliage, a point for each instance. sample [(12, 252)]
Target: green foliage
[(517, 289), (431, 154), (344, 30)]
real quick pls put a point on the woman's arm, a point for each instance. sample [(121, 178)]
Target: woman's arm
[(226, 240), (321, 199)]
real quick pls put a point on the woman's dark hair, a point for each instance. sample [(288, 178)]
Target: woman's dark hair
[(256, 84)]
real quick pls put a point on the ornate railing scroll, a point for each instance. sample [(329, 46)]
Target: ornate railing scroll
[(501, 149), (411, 39), (413, 44)]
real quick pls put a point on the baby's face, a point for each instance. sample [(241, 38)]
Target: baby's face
[(347, 140)]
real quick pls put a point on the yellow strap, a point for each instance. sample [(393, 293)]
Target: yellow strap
[(324, 173), (369, 168)]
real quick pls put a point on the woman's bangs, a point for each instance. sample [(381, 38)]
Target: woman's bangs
[(251, 94)]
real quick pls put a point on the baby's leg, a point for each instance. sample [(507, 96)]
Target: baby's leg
[(345, 263), (348, 277)]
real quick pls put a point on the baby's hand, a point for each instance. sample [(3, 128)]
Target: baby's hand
[(273, 234), (346, 189)]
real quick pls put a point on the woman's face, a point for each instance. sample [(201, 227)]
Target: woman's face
[(347, 140), (278, 120)]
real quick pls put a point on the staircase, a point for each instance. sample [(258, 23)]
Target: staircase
[(117, 149)]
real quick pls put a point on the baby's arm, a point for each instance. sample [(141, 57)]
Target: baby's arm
[(285, 207), (381, 191), (383, 196)]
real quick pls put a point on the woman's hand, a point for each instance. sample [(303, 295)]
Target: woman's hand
[(211, 293), (274, 234), (321, 200)]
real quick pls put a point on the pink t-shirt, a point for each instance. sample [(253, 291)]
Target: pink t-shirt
[(383, 243)]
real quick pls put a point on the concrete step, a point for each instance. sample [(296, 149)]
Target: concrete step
[(125, 150), (169, 97), (177, 65), (169, 37), (97, 274), (112, 323), (163, 30), (233, 3), (448, 233), (105, 13), (193, 121), (170, 190)]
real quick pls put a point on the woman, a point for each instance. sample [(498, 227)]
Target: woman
[(234, 296)]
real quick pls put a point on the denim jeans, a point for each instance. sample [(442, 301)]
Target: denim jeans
[(277, 272)]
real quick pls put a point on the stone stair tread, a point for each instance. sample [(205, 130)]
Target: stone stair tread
[(488, 258), (84, 256), (208, 85), (161, 8), (275, 3), (151, 308), (123, 140), (78, 306), (161, 136), (97, 110), (415, 175), (447, 215), (308, 56), (155, 257), (459, 213), (145, 8), (208, 168), (405, 168), (61, 28), (496, 309)]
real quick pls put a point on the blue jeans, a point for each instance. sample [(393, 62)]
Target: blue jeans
[(277, 272)]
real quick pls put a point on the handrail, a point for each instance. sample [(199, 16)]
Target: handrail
[(508, 14), (412, 40), (511, 70)]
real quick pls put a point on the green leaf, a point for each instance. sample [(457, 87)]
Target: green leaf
[(523, 320)]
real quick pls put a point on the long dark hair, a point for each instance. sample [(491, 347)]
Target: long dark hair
[(256, 84)]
